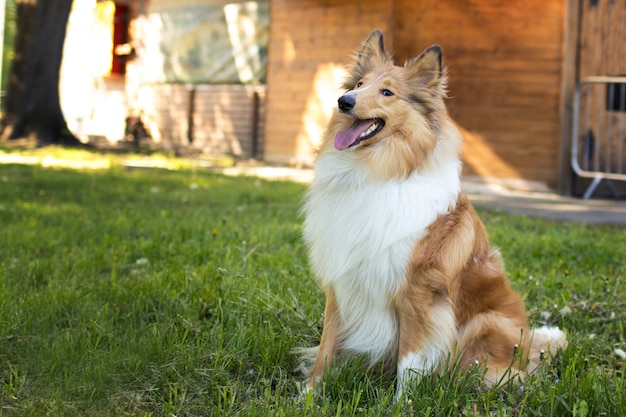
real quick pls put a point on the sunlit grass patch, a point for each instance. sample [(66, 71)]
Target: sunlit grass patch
[(90, 159), (182, 292)]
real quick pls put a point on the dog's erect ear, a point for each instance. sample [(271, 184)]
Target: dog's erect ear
[(372, 50), (426, 69), (371, 54)]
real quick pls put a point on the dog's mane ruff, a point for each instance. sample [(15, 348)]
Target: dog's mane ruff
[(363, 262)]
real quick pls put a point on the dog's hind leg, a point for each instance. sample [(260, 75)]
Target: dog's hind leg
[(498, 343)]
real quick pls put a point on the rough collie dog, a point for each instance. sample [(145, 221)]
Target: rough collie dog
[(398, 250)]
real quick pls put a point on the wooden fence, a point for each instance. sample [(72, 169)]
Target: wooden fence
[(213, 119)]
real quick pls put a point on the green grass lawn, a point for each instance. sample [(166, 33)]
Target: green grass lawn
[(151, 292)]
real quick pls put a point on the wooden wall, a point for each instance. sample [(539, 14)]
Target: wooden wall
[(504, 60), (310, 43), (603, 38), (224, 120), (213, 119), (164, 111)]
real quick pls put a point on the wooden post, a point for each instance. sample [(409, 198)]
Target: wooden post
[(254, 152), (569, 77), (191, 108)]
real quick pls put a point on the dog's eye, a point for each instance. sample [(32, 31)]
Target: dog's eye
[(360, 83), (386, 92)]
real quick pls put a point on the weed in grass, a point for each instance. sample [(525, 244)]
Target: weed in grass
[(156, 292)]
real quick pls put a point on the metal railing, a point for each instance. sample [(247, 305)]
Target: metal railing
[(598, 135)]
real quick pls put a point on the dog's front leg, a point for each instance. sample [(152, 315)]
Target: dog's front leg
[(328, 344), (427, 333)]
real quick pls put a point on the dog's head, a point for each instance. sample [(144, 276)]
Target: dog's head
[(392, 112)]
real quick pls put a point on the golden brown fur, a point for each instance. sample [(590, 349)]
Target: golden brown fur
[(455, 263)]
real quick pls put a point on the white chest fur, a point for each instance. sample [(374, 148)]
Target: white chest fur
[(361, 234)]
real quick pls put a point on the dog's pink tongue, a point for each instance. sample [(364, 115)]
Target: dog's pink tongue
[(345, 138)]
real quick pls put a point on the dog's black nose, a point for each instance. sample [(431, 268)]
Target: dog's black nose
[(346, 102)]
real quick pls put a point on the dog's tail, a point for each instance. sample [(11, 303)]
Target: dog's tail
[(305, 359), (546, 341)]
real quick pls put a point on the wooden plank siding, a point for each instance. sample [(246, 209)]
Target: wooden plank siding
[(504, 58), (603, 38), (167, 117), (213, 119), (224, 121), (504, 63)]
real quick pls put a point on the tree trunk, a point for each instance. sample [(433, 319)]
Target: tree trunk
[(32, 106)]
